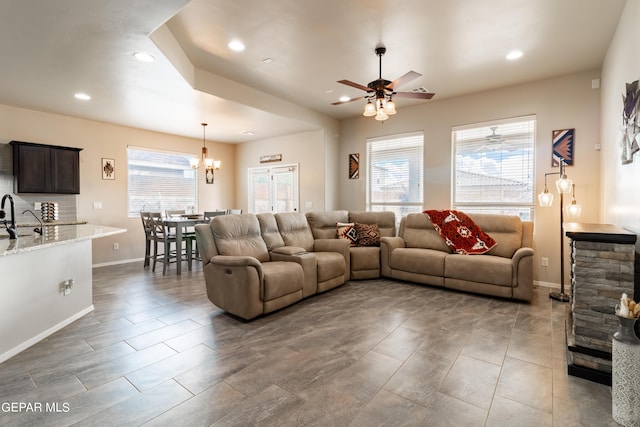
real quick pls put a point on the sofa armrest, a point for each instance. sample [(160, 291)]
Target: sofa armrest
[(307, 261), (236, 284), (288, 250), (522, 281), (387, 245)]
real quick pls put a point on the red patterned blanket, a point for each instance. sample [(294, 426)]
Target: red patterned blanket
[(460, 233)]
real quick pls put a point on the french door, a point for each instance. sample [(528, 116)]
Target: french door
[(273, 189)]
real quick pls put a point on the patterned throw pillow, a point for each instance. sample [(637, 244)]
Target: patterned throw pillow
[(368, 234), (347, 231)]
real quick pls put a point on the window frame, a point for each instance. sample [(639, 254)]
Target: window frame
[(525, 208), (415, 172), (160, 203)]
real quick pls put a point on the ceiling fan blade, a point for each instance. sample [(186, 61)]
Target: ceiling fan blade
[(416, 95), (345, 102), (411, 75), (356, 85)]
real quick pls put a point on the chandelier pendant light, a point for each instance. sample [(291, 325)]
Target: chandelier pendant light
[(209, 163)]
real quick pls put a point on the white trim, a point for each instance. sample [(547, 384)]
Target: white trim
[(122, 261), (34, 340), (546, 284)]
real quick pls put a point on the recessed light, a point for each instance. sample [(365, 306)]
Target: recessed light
[(236, 45), (82, 96), (344, 99), (144, 57), (328, 91), (248, 133), (267, 60), (514, 54)]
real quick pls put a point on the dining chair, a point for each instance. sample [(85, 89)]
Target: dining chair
[(161, 234), (210, 214), (176, 212), (148, 237), (234, 211)]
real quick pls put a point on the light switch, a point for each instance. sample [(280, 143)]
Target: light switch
[(97, 205)]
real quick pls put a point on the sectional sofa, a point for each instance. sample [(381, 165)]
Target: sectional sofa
[(256, 264)]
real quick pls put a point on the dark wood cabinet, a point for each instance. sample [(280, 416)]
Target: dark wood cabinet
[(40, 168)]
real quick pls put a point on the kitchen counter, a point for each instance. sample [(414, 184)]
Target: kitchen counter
[(49, 223), (47, 282), (52, 235)]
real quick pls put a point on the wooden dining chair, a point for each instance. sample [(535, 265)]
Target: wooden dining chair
[(234, 211), (148, 237), (162, 234), (210, 214)]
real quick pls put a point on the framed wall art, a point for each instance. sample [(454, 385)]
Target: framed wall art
[(108, 169), (564, 141), (354, 166)]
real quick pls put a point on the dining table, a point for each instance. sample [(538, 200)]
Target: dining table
[(181, 223)]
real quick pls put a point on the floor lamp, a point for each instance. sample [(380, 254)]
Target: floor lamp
[(563, 185)]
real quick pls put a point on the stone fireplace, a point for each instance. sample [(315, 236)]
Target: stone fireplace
[(602, 268)]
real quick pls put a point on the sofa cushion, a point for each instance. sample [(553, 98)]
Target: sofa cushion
[(323, 224), (386, 221), (483, 269), (368, 234), (281, 278), (419, 261), (506, 230), (295, 230), (418, 232), (269, 229), (347, 231), (365, 258), (239, 235), (330, 265)]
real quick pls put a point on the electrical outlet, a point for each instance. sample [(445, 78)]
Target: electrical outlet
[(116, 246), (37, 206), (545, 262)]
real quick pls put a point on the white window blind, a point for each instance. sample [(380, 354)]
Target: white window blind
[(160, 180), (493, 167), (395, 173)]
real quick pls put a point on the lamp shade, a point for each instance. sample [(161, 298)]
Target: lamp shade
[(381, 115), (573, 210), (217, 164), (545, 198), (194, 162), (369, 109), (390, 107), (564, 184)]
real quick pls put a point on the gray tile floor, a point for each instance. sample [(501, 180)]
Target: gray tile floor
[(156, 352)]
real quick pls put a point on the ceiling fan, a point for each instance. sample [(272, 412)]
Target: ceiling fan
[(382, 91)]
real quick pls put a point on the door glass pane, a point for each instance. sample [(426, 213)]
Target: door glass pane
[(259, 191), (284, 190)]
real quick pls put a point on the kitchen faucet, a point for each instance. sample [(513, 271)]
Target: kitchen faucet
[(37, 229), (13, 232)]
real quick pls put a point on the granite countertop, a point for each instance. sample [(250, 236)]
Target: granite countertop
[(37, 224), (53, 235)]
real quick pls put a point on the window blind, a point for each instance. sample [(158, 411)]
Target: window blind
[(493, 167), (395, 173), (160, 180)]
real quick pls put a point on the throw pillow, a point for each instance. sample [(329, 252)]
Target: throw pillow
[(347, 231), (368, 234)]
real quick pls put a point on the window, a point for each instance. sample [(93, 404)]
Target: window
[(160, 180), (394, 173), (493, 167)]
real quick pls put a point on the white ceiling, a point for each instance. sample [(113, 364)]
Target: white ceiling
[(53, 49)]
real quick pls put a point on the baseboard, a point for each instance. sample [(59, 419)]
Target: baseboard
[(122, 261), (44, 334), (546, 284)]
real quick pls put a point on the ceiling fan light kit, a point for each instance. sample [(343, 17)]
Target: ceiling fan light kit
[(380, 92)]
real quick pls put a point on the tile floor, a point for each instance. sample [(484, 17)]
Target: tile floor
[(370, 353)]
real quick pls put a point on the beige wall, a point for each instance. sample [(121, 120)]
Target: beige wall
[(100, 140), (307, 149), (558, 103), (619, 183)]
